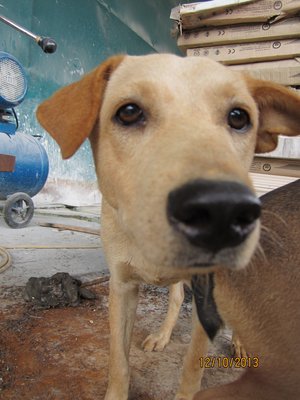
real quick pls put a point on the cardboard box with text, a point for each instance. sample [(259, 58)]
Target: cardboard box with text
[(285, 72), (250, 52), (258, 11), (287, 28)]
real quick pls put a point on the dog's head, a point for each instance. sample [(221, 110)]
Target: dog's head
[(173, 139)]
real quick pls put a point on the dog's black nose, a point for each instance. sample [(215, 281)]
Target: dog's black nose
[(213, 215)]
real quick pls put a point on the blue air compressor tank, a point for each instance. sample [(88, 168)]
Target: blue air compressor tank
[(24, 166)]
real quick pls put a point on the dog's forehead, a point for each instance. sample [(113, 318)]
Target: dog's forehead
[(178, 71)]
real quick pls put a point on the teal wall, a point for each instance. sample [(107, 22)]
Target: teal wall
[(87, 32)]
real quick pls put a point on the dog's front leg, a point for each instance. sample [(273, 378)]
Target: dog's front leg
[(123, 297), (157, 341), (192, 372)]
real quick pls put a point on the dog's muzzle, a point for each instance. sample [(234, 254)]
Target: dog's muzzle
[(213, 215)]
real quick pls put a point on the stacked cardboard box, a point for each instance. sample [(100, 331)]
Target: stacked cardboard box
[(260, 36), (276, 166)]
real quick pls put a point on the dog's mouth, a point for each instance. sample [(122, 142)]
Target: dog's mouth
[(200, 260), (194, 261), (202, 265), (202, 268)]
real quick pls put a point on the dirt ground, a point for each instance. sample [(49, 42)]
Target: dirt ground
[(63, 353)]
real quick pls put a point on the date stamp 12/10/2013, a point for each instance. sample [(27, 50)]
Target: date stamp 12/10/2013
[(229, 362)]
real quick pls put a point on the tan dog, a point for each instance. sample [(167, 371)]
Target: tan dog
[(173, 140)]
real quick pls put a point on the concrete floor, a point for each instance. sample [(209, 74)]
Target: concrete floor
[(42, 251)]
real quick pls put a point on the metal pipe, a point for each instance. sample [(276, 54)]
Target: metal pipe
[(18, 27), (47, 44)]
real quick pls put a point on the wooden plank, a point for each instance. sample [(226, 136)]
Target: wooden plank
[(63, 227), (264, 183)]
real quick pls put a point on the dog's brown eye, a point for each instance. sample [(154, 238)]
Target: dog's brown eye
[(130, 114), (239, 119)]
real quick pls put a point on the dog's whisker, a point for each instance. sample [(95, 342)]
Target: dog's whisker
[(259, 255), (276, 216), (270, 236)]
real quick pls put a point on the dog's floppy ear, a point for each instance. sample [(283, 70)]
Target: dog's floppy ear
[(279, 110), (70, 114)]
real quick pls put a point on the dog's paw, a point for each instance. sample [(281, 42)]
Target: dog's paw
[(111, 395), (156, 341), (237, 349)]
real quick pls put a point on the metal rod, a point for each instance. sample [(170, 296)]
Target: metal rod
[(19, 28), (47, 44)]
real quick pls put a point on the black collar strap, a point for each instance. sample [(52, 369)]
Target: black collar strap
[(202, 288)]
